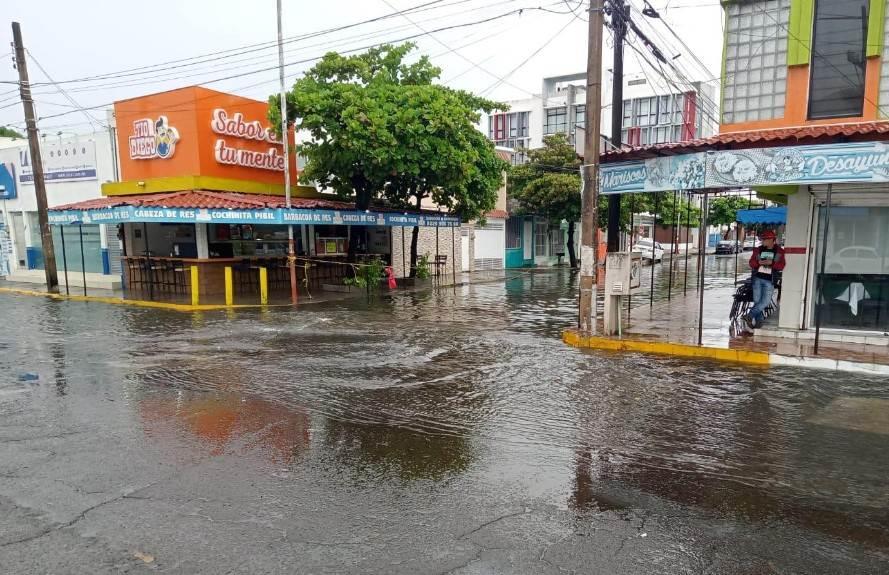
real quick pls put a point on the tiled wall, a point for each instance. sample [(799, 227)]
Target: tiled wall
[(755, 84)]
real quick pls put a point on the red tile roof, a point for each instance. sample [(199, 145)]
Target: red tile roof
[(212, 200), (501, 214), (796, 136)]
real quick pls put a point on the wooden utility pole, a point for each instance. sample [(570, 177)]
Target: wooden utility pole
[(590, 169), (49, 254), (620, 18)]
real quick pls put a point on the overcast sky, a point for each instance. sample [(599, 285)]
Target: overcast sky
[(75, 40)]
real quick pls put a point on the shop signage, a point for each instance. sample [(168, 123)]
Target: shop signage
[(153, 139), (235, 126), (798, 165), (268, 216), (62, 162), (7, 181)]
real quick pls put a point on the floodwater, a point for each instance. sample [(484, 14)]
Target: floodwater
[(443, 432)]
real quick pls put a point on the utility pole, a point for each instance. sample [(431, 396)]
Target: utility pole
[(590, 169), (620, 17), (49, 254), (285, 135)]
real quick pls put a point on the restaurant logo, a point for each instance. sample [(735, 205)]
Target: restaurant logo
[(235, 126), (153, 139)]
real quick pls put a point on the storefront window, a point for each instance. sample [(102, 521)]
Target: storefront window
[(856, 269), (92, 248), (237, 240)]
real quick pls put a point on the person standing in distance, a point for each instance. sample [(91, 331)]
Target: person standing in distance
[(767, 259)]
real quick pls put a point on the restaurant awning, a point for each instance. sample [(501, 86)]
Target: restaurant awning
[(205, 206), (774, 216)]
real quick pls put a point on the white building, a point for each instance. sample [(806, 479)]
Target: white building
[(74, 168), (651, 115)]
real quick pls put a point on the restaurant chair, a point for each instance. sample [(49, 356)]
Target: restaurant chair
[(441, 262)]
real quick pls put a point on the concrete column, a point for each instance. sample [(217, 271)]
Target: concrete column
[(796, 238), (201, 234), (311, 245)]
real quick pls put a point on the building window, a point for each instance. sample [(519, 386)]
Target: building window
[(836, 87), (556, 121), (556, 241), (664, 110), (580, 116), (628, 113), (514, 233), (755, 80), (541, 238)]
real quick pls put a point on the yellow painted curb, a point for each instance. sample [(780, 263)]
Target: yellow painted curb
[(575, 339), (135, 302)]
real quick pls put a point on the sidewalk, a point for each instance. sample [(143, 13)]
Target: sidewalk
[(671, 328)]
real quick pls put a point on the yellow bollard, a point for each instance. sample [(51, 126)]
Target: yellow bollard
[(229, 287), (263, 286), (195, 286)]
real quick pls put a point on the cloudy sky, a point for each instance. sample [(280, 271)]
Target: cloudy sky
[(99, 51)]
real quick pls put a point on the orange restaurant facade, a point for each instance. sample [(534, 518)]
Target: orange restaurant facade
[(202, 189)]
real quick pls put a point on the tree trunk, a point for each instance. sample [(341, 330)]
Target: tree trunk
[(415, 236), (572, 256)]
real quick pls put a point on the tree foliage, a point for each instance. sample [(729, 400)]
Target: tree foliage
[(724, 209), (9, 133), (382, 129), (548, 184)]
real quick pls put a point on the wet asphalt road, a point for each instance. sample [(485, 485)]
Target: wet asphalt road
[(433, 433)]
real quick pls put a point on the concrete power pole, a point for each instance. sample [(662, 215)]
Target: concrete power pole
[(49, 254), (620, 18), (590, 170)]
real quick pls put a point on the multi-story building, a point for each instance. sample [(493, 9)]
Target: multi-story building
[(651, 115), (804, 107)]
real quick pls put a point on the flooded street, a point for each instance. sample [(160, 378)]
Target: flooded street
[(443, 432)]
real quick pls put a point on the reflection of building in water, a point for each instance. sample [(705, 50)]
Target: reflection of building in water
[(229, 421), (435, 442)]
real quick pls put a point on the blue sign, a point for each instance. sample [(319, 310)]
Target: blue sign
[(794, 165), (7, 181), (124, 214)]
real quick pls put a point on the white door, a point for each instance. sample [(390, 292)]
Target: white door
[(528, 240), (464, 250)]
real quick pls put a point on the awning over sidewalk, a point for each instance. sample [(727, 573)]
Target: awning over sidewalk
[(204, 206), (765, 216)]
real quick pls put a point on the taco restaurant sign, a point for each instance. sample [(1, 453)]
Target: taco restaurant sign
[(820, 164)]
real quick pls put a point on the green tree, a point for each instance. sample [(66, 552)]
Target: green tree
[(381, 128), (10, 133), (549, 185), (724, 209)]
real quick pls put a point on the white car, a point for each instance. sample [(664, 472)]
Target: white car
[(856, 260), (651, 251), (751, 243)]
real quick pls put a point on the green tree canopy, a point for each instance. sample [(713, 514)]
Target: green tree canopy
[(724, 209), (548, 185), (381, 128), (9, 133)]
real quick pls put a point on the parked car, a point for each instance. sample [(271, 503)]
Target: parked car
[(727, 247), (751, 243), (644, 246), (856, 260)]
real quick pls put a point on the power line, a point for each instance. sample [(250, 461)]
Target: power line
[(215, 55), (260, 70), (528, 59), (61, 90), (455, 52)]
